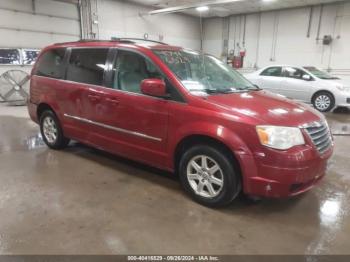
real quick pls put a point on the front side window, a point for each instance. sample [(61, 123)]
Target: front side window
[(130, 69), (50, 64), (272, 71), (87, 65), (201, 73), (319, 73), (296, 73)]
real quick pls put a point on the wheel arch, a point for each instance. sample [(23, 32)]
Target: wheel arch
[(43, 107), (322, 91), (195, 139)]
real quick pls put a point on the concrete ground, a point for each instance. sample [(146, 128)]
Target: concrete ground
[(83, 201)]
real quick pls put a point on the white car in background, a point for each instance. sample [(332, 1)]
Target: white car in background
[(307, 84)]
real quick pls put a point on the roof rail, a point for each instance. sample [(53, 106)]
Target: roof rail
[(94, 40), (113, 39), (136, 39)]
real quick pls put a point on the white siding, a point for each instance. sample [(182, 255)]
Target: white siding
[(120, 19), (292, 44), (53, 22), (23, 27)]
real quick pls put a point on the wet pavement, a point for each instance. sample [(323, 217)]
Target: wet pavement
[(84, 201)]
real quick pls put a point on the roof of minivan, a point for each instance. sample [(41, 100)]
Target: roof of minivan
[(115, 43)]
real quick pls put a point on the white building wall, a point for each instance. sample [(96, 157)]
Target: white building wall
[(121, 19), (292, 46), (50, 22), (23, 27), (213, 31)]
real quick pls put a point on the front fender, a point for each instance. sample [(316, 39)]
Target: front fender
[(218, 132)]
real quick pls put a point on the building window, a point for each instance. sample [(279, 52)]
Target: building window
[(10, 56)]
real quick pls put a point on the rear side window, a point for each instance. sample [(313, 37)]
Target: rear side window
[(51, 64), (272, 71), (87, 65)]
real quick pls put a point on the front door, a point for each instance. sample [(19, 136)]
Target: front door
[(295, 86)]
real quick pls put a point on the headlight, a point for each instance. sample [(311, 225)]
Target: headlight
[(280, 137), (340, 87), (343, 88)]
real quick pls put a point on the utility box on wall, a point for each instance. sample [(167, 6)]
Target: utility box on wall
[(327, 39)]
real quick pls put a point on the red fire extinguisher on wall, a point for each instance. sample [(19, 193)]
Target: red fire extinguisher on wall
[(238, 59), (237, 62), (242, 54)]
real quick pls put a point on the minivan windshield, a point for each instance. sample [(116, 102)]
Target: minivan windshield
[(203, 73), (319, 73)]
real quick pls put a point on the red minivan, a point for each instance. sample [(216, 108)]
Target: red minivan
[(181, 111)]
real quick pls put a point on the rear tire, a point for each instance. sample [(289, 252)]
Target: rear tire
[(323, 101), (208, 175), (51, 131)]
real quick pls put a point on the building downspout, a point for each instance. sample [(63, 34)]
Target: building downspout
[(319, 23), (311, 15), (80, 19)]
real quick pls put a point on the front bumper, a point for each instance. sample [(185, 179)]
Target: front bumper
[(276, 174), (342, 99)]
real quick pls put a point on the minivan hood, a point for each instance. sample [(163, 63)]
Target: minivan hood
[(266, 108)]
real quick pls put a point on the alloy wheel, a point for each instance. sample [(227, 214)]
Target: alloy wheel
[(50, 129), (205, 176), (322, 102)]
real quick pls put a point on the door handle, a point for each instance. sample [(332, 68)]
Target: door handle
[(112, 101), (94, 98)]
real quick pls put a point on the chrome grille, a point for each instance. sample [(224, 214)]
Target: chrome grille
[(320, 135)]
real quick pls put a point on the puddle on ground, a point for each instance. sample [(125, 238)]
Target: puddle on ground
[(19, 134), (340, 129), (34, 142), (339, 122)]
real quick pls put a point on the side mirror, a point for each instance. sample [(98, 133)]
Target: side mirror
[(154, 87), (307, 77)]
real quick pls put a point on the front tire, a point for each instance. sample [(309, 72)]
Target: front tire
[(323, 101), (208, 175), (51, 131)]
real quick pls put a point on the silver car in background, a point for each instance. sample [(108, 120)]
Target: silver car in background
[(307, 84)]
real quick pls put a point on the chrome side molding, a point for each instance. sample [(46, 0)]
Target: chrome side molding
[(121, 130)]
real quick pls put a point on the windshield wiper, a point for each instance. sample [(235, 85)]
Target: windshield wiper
[(215, 91), (250, 88), (330, 78), (229, 91), (207, 90)]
